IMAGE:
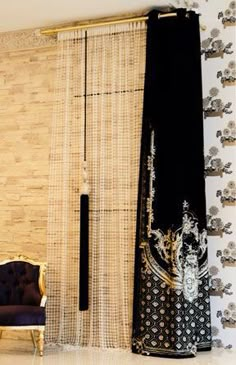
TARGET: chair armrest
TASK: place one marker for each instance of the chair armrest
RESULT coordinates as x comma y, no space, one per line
43,301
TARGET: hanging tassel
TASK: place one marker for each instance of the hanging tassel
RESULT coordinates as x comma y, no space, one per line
84,242
84,212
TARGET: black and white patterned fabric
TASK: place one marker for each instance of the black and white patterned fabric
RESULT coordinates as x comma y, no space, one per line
171,314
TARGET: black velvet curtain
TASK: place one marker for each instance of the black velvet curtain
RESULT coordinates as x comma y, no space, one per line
171,315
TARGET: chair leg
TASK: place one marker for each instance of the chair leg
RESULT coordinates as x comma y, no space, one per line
41,342
33,338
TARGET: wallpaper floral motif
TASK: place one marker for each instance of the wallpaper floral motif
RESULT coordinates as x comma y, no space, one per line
219,90
215,47
227,134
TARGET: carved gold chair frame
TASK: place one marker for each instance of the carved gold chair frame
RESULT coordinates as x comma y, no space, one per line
38,343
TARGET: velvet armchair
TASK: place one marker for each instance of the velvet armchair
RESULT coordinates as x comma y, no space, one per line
23,297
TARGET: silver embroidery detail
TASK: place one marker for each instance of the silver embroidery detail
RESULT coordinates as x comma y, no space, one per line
190,282
150,167
185,272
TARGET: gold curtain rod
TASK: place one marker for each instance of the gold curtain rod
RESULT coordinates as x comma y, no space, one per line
101,23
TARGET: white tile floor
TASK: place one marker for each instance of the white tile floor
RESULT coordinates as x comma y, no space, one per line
22,354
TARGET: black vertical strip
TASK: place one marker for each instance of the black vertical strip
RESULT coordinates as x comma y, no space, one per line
84,263
85,93
84,215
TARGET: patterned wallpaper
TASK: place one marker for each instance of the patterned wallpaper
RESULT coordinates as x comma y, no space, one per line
219,92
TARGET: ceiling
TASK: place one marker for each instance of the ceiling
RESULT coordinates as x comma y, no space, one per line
24,14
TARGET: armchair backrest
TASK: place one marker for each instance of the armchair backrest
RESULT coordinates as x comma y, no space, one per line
21,281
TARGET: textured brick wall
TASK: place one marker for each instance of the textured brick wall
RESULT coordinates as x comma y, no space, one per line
26,100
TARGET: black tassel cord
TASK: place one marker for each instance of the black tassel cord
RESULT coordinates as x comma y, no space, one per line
84,213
